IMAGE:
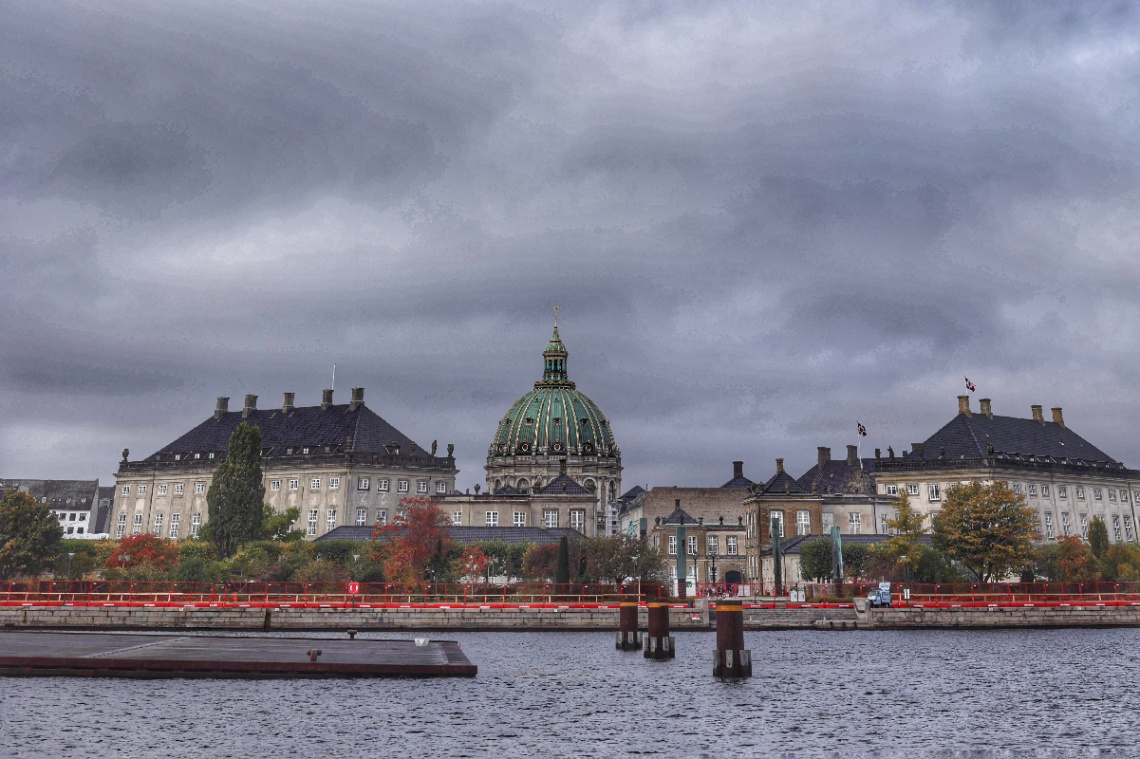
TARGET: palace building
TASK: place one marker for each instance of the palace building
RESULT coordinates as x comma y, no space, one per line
339,464
555,430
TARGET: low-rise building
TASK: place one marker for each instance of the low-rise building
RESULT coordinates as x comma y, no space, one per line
75,503
713,549
560,503
338,464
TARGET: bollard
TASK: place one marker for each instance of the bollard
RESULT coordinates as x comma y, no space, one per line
659,644
313,653
730,659
628,639
351,634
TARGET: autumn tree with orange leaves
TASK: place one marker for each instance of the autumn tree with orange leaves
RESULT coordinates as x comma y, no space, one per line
417,544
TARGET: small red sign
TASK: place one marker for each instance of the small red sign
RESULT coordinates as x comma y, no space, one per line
354,588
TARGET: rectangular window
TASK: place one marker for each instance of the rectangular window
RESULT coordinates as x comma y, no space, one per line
692,544
334,483
578,519
136,527
382,485
912,489
854,522
712,545
421,487
178,488
402,486
1044,491
1116,527
550,518
362,483
491,519
730,545
275,485
892,490
777,523
1081,493
315,483
803,522
195,524
1016,488
158,524
174,521
1111,494
401,512
441,487
313,521
381,516
1048,525
934,492
162,490
828,523
142,489
199,487
330,520
126,489
1097,495
519,519
1065,526
361,517
1062,491
1124,496
294,484
457,518
121,527
1031,490
1085,526
1128,528
672,545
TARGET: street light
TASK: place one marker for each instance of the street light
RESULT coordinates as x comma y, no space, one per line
355,557
70,556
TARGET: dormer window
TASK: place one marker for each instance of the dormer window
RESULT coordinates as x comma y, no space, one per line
197,455
305,451
177,456
210,455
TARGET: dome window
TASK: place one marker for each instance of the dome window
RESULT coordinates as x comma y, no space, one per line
501,447
524,447
585,420
588,447
557,447
558,420
529,420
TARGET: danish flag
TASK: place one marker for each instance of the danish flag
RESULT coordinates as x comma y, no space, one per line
970,385
862,429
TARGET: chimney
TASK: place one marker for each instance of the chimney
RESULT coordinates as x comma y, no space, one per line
964,405
1037,415
779,466
878,453
853,455
326,399
986,411
250,405
824,455
357,399
222,407
677,503
738,469
287,406
1060,420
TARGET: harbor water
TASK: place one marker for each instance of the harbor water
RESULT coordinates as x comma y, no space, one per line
880,693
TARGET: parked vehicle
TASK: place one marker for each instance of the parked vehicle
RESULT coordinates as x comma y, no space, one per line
881,596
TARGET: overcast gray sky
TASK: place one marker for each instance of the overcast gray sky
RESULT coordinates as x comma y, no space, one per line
763,222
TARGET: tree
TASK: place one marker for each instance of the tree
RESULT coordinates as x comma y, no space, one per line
855,558
418,542
1075,562
540,561
145,552
236,498
1098,537
473,563
986,528
30,536
279,526
562,572
816,559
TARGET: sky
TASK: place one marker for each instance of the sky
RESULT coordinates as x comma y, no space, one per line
762,222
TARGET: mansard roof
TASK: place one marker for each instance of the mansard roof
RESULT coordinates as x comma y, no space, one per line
782,482
466,535
74,495
969,436
679,516
563,484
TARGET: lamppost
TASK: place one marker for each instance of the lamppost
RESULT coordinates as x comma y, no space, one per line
355,557
70,556
713,550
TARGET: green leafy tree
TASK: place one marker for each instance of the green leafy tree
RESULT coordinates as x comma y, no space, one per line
855,560
562,572
816,559
236,498
986,528
30,536
279,525
1098,537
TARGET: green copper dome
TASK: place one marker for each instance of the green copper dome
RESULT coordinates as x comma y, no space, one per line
554,418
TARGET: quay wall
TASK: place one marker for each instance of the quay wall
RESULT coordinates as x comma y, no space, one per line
1000,617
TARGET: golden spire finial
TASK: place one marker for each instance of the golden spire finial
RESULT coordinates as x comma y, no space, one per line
556,317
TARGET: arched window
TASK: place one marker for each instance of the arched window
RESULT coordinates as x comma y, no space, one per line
523,486
590,486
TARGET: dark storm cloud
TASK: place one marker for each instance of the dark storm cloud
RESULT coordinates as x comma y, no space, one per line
762,222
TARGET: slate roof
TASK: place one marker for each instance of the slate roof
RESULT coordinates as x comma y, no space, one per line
738,482
782,482
507,490
563,484
64,495
679,516
830,478
794,544
539,535
632,493
303,426
967,437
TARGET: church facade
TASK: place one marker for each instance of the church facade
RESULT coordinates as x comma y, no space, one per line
554,430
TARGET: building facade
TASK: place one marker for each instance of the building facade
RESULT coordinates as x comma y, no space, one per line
75,503
561,503
714,551
1064,478
556,430
338,464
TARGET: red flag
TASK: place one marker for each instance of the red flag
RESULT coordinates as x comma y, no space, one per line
862,429
970,385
